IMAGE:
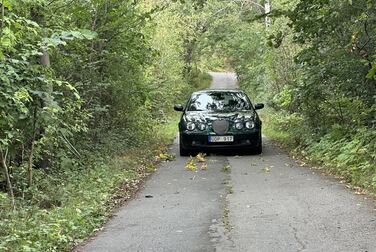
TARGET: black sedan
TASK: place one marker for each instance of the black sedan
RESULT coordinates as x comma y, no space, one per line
219,119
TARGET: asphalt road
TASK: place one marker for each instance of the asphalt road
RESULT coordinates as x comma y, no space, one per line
241,203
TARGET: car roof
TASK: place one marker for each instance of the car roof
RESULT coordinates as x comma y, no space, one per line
219,91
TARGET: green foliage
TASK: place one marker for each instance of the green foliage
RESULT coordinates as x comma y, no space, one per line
84,86
314,67
351,158
92,81
69,204
334,92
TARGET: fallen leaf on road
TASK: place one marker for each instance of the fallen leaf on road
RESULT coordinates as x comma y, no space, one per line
166,157
191,165
201,157
360,191
204,166
226,168
266,169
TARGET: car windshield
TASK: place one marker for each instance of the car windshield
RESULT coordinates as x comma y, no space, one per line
219,102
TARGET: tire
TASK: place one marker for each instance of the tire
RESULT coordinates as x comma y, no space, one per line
183,151
258,149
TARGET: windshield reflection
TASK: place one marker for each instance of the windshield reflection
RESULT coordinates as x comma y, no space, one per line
219,102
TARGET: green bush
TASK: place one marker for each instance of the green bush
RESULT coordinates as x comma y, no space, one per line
66,206
86,125
352,157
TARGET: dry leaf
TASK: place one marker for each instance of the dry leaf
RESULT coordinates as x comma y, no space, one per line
201,157
266,169
204,166
191,165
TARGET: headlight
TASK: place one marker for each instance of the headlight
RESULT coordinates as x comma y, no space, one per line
239,125
202,126
250,125
191,126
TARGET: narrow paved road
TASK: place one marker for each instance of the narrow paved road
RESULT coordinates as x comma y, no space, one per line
263,203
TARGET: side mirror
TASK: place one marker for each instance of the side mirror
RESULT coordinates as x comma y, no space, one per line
178,107
259,106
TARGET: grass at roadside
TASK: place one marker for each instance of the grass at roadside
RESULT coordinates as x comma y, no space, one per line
83,201
350,158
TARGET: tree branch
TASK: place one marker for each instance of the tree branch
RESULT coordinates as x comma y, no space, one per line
3,157
2,14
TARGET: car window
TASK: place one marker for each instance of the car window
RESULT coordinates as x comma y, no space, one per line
219,102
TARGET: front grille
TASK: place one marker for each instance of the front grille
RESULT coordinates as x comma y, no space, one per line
220,127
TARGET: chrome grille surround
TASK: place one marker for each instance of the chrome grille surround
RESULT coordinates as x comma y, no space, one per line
220,127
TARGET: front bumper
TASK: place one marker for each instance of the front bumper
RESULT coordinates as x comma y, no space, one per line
195,141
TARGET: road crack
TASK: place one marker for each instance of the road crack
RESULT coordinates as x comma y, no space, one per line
220,231
300,242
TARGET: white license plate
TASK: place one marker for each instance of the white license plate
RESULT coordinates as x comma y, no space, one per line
221,139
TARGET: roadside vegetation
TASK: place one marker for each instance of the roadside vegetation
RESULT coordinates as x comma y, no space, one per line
313,63
86,96
87,90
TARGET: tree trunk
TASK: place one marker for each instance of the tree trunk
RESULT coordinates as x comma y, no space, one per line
31,155
45,59
2,14
3,157
30,164
45,162
268,8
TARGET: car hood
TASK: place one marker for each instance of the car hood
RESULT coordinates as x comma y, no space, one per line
207,117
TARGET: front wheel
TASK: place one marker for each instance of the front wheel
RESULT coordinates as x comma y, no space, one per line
183,151
258,148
